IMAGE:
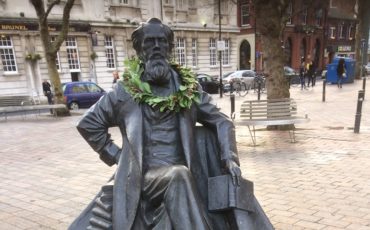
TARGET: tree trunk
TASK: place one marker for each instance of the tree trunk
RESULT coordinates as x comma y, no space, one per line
271,22
276,84
271,16
51,49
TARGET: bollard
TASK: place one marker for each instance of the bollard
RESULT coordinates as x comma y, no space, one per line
259,90
323,90
232,102
360,99
364,85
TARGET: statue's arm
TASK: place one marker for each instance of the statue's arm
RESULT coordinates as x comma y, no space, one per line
210,116
94,125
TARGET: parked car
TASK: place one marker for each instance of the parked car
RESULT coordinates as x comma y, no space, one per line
292,75
367,68
208,83
245,77
79,94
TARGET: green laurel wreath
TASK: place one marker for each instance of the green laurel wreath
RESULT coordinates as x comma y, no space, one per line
141,92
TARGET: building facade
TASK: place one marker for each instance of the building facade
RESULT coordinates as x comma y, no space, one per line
303,37
341,29
99,39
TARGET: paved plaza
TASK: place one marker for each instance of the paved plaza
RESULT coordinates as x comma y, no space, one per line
48,173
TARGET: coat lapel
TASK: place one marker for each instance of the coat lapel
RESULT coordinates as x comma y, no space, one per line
134,132
186,133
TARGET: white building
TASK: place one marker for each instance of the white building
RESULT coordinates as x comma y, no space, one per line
102,29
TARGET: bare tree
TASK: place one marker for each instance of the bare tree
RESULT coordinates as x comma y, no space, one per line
51,48
362,33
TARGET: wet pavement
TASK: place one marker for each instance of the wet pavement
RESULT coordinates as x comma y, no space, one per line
48,173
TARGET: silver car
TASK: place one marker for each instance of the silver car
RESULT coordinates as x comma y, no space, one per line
367,68
245,77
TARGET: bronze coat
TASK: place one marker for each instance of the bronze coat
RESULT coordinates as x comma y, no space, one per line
117,108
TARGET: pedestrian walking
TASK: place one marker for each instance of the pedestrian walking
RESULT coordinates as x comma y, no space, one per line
115,78
341,72
310,73
46,87
302,75
313,79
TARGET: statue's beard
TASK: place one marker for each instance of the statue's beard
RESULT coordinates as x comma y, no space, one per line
157,72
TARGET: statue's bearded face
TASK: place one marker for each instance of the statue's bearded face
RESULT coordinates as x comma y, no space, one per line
157,71
155,52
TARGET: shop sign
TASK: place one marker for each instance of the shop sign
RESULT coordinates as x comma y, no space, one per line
52,27
344,48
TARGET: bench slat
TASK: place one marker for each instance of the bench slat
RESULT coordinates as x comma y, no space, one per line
269,112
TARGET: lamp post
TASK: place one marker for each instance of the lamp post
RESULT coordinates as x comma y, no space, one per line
218,46
363,53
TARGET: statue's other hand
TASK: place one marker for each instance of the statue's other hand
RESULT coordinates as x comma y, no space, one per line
234,170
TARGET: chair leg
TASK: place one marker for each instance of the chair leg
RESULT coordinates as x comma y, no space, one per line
253,135
292,135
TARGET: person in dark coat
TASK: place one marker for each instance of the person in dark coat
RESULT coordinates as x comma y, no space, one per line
341,72
154,187
46,88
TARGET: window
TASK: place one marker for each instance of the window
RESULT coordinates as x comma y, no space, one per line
289,13
226,53
224,7
342,31
350,32
109,52
57,59
318,16
304,16
212,52
332,32
7,55
123,2
92,88
181,4
72,54
194,52
245,13
180,51
79,88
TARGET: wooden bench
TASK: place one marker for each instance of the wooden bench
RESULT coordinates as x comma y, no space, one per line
25,108
270,112
15,100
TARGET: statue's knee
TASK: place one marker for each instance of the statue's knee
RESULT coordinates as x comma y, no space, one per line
180,173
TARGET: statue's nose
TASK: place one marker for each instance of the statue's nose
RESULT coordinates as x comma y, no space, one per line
156,42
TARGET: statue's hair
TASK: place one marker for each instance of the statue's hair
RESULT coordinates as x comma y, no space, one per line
138,35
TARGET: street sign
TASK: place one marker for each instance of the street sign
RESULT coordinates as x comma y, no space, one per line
220,45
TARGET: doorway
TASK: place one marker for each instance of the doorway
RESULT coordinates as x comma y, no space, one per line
75,76
245,55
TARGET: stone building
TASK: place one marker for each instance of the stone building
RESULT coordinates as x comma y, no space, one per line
99,39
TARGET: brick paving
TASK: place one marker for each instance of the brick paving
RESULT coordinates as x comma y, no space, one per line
48,173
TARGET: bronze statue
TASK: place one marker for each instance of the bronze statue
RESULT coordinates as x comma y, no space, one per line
165,160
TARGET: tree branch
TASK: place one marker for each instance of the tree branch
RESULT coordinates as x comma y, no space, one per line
65,25
50,7
39,7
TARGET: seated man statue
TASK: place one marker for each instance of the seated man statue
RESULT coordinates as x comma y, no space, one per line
156,106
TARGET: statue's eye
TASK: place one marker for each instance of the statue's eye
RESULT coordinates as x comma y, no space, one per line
149,40
162,40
